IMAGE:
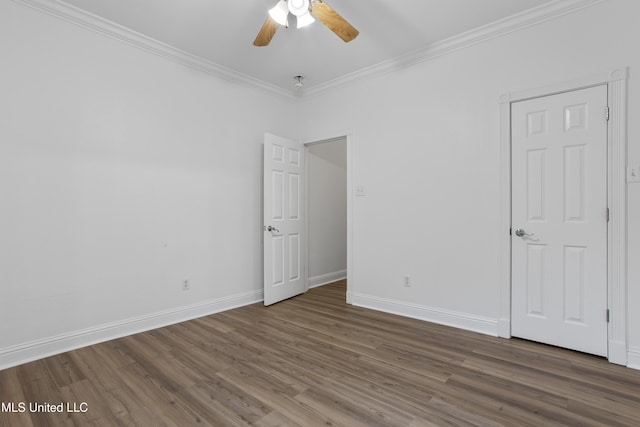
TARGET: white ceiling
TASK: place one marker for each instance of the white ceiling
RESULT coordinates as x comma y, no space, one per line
222,32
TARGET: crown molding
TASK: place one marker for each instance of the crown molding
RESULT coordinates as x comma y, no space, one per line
478,35
69,13
537,15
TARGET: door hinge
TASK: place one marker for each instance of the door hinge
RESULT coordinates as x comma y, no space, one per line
608,315
608,215
606,113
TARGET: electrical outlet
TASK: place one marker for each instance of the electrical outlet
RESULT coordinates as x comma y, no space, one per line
186,285
407,281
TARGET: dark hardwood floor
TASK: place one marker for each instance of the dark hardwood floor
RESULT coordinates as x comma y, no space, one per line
313,360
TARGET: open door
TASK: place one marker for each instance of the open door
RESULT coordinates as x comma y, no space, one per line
284,229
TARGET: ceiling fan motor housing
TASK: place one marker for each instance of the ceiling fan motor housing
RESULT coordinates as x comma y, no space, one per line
298,7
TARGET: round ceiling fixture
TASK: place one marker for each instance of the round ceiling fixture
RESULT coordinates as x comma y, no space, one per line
298,7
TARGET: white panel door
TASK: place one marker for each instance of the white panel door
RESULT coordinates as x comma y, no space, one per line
284,239
559,199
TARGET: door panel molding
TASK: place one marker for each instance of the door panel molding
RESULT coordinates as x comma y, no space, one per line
616,81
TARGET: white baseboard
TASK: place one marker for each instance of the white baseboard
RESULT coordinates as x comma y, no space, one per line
633,358
323,279
34,350
483,325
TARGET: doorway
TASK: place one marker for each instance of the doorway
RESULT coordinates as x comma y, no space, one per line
285,214
327,211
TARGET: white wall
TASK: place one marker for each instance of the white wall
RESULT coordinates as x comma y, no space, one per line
426,146
327,195
121,174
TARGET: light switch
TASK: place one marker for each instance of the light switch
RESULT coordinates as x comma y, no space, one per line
633,174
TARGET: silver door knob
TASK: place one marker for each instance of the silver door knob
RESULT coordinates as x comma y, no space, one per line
270,228
521,233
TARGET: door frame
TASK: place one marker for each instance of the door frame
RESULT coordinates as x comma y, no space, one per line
616,82
327,137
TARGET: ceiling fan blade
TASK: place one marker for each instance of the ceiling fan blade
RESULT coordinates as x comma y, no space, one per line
333,21
267,32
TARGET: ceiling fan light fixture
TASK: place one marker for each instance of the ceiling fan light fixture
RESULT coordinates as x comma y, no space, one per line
299,7
298,84
280,12
304,20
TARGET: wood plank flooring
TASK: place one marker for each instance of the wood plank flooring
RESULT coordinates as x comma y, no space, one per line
314,360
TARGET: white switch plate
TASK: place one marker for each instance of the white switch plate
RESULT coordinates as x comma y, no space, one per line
360,191
633,174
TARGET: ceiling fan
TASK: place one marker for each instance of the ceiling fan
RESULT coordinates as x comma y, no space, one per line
306,12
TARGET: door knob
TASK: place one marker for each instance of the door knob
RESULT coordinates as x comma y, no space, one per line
521,233
270,228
